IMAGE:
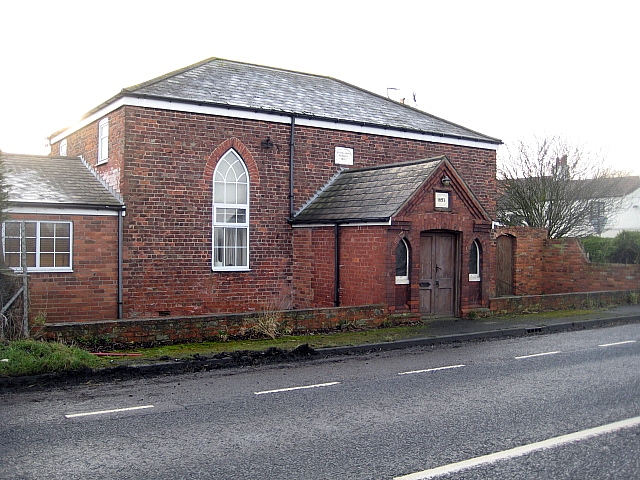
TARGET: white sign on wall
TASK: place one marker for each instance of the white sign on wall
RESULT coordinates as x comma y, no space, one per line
442,199
344,156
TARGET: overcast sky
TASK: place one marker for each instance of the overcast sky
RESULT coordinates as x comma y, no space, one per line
507,69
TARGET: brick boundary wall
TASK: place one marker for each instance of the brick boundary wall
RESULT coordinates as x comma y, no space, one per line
560,301
191,329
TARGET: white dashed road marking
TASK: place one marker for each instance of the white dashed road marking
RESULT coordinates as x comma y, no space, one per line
522,450
431,369
102,412
536,355
617,343
297,388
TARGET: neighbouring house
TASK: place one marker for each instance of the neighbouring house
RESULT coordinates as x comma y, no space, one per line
69,219
599,206
627,216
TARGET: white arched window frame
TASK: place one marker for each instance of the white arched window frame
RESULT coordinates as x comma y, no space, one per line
474,262
230,214
402,263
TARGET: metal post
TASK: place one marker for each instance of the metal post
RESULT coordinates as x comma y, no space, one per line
25,280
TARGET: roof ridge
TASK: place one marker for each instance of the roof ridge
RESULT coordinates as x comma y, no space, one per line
438,158
165,76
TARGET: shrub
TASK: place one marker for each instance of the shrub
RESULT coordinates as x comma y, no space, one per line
597,248
625,248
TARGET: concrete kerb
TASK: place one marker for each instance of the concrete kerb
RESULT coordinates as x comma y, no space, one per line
191,366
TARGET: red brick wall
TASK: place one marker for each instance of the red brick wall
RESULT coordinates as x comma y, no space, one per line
545,266
163,168
91,290
314,260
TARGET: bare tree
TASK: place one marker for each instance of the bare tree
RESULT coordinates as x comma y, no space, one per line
550,183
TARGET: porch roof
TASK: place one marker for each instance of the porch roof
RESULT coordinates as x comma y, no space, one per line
367,194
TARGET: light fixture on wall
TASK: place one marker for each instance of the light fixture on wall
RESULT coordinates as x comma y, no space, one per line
446,181
266,143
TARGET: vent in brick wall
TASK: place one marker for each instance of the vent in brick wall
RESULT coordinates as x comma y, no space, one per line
164,313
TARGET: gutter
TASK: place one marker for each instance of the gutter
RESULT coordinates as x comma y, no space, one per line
121,214
336,279
292,140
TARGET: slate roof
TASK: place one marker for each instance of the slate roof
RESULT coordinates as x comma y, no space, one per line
225,83
614,186
55,181
367,194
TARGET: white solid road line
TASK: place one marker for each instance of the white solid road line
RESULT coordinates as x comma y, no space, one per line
617,343
297,388
536,355
523,450
101,412
431,369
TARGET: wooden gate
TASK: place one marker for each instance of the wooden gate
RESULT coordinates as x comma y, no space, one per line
504,266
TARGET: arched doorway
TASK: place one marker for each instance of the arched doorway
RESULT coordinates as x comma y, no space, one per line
438,273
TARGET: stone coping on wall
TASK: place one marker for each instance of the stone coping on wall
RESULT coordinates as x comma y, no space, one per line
561,301
182,329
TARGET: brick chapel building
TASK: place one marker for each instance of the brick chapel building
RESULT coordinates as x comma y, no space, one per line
242,188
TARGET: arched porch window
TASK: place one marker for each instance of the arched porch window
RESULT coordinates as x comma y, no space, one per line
402,263
474,262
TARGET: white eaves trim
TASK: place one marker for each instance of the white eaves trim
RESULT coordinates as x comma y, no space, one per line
234,112
62,211
355,224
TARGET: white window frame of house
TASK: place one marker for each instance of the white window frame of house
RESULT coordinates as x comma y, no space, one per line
63,148
37,248
103,140
403,279
474,276
230,236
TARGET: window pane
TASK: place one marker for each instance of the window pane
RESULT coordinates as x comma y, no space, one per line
63,229
242,193
46,260
30,228
401,260
31,245
230,194
238,170
62,260
473,259
63,245
46,245
12,259
47,229
218,196
31,259
241,247
241,216
12,229
12,245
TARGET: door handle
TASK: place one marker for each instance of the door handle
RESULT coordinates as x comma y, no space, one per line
437,283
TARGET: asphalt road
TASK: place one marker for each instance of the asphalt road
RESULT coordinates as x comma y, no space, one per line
374,416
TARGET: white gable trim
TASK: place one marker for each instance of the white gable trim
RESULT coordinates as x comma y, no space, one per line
234,112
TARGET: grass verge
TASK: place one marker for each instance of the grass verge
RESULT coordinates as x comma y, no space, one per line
32,357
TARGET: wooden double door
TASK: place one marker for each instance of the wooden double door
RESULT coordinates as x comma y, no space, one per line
438,273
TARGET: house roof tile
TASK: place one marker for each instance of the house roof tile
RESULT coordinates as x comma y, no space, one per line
60,181
220,82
